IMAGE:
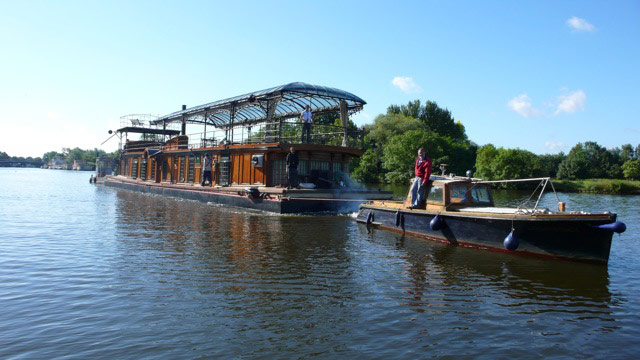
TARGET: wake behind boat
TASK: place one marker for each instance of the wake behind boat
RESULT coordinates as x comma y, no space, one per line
461,211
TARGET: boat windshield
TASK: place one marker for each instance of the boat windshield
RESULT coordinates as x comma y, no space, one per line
458,193
480,194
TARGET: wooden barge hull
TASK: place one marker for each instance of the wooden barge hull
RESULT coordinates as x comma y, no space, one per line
565,236
281,204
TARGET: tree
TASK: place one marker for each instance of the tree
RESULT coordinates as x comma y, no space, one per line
484,162
575,165
505,164
631,169
549,163
400,153
627,153
433,117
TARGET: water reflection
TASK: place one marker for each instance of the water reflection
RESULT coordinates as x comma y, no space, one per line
522,284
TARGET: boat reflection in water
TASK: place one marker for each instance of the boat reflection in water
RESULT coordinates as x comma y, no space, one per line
441,275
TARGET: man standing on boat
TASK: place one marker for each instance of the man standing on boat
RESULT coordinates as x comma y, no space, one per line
206,175
292,168
307,120
422,172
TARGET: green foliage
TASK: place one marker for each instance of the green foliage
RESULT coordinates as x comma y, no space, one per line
549,164
394,138
601,186
631,169
505,164
400,153
368,168
433,117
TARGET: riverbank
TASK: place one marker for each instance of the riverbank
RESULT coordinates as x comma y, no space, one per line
599,186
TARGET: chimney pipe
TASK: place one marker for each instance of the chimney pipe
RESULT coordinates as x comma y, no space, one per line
184,122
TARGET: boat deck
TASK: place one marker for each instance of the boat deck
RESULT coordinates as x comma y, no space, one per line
268,191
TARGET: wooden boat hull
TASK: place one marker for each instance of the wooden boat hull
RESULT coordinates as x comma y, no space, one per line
279,204
575,237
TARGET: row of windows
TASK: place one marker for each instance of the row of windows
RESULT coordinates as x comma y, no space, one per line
305,167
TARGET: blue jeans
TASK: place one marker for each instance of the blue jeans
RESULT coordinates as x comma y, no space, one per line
417,192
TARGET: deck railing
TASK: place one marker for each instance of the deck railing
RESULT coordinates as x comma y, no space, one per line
265,133
289,133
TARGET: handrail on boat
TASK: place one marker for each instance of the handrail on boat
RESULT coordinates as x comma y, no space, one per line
543,181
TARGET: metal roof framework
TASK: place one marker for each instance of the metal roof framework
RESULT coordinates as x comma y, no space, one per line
274,104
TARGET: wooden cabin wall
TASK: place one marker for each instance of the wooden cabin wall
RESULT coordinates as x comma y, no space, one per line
243,171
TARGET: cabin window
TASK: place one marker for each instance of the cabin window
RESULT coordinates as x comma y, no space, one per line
278,172
458,193
182,165
165,169
134,170
302,168
436,194
319,165
192,160
198,159
480,194
143,169
153,168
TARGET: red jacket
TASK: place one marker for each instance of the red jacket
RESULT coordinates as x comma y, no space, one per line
423,170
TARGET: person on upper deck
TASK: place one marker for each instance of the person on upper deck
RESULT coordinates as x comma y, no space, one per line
307,119
292,168
423,172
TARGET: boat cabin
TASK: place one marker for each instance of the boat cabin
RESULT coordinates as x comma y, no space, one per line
455,193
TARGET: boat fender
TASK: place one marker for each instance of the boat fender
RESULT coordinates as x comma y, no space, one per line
511,242
617,227
370,218
399,218
436,223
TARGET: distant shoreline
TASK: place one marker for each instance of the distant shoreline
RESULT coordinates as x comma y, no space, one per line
599,186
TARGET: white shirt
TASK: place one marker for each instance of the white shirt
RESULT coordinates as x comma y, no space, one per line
307,116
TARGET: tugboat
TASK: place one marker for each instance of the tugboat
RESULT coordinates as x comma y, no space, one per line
460,211
247,138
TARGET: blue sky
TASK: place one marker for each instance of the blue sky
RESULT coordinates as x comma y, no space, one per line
537,75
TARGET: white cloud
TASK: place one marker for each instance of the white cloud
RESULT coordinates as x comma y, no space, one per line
522,105
579,24
572,102
406,84
554,145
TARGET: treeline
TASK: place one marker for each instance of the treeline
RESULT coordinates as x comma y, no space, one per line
6,157
69,155
393,138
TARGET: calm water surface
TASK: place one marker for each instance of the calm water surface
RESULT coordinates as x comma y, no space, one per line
88,271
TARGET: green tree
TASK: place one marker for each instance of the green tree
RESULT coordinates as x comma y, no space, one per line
505,164
549,163
433,117
627,153
631,169
399,154
485,159
575,165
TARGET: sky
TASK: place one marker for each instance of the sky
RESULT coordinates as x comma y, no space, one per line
535,75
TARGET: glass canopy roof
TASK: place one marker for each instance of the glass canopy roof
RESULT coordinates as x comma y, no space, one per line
277,103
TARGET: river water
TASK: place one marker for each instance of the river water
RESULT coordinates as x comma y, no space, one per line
88,271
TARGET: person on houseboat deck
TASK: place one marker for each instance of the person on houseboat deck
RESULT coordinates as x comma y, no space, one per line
307,120
206,175
422,172
292,168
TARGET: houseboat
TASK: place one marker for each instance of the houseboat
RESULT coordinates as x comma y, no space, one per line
248,138
460,211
